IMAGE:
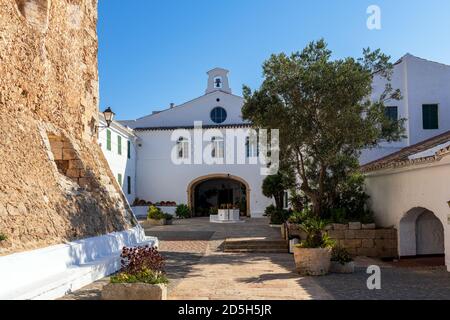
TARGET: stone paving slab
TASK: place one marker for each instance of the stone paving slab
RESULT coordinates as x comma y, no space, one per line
198,269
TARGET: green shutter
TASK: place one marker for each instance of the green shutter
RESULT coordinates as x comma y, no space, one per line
129,184
108,140
119,145
129,149
430,116
119,179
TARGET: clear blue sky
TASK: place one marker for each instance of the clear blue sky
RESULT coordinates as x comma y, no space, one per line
154,52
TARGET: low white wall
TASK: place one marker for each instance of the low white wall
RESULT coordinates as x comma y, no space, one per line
50,272
395,192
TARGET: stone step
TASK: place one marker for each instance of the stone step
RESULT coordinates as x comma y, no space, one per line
255,250
257,246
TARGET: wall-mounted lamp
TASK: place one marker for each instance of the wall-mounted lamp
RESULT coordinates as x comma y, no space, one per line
108,114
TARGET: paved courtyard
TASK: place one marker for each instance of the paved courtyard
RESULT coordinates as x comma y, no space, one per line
199,269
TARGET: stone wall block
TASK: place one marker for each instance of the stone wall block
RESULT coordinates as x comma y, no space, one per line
354,225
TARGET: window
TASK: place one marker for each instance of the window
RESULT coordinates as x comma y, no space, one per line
129,149
286,200
251,148
183,148
119,179
430,116
217,147
108,140
218,115
129,185
119,145
391,113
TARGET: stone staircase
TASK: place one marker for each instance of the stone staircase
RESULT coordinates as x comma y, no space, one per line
256,246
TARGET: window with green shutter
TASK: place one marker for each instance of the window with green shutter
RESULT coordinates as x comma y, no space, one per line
119,179
129,149
430,116
108,140
119,145
129,184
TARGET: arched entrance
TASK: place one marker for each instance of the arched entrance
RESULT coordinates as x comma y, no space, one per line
219,190
421,234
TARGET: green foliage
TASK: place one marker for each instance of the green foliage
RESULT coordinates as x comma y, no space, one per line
277,216
214,211
183,211
314,228
324,113
155,213
297,201
144,276
168,217
274,187
299,216
339,254
3,237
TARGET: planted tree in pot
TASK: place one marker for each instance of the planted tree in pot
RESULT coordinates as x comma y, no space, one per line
313,255
141,277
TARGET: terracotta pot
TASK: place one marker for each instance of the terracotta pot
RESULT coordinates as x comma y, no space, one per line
134,291
312,261
337,267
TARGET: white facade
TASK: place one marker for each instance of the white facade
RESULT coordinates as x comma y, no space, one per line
160,179
412,194
421,82
120,152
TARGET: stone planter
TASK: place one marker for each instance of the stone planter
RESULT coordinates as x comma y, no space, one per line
134,291
337,267
312,262
292,244
153,222
169,222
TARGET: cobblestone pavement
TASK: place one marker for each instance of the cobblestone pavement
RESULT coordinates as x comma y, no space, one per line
198,269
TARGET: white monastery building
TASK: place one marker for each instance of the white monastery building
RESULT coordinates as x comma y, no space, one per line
425,103
167,167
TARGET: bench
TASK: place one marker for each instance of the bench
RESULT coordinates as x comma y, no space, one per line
55,271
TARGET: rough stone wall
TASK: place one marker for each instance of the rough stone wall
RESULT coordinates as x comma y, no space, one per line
358,239
49,99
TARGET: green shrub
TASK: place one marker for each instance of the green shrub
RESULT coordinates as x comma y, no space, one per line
214,211
314,228
298,217
277,216
155,213
168,217
145,276
341,255
183,211
3,237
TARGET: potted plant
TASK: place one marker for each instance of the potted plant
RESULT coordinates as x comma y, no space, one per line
155,216
169,218
183,211
341,261
141,277
3,237
313,255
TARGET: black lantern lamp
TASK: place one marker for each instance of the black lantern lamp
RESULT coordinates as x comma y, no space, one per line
109,116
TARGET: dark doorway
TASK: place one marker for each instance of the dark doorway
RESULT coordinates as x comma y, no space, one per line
213,194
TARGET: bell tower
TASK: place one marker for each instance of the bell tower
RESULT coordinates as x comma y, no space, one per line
218,80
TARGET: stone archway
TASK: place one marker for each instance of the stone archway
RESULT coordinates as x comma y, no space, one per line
220,178
421,234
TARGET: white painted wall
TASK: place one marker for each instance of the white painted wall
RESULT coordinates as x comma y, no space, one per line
395,192
420,82
159,179
120,164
